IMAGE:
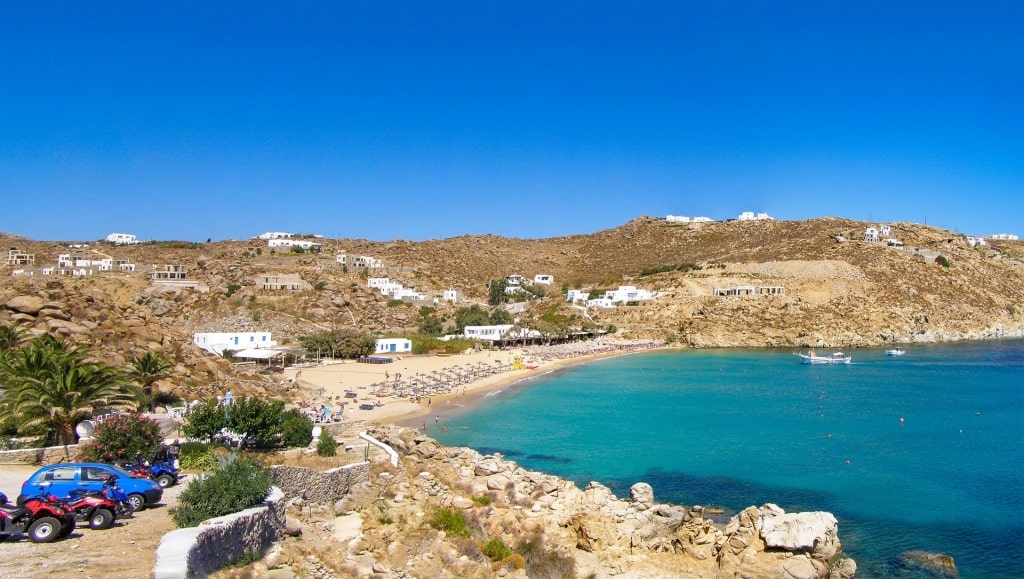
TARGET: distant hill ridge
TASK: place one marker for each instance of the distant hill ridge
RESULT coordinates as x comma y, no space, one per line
847,294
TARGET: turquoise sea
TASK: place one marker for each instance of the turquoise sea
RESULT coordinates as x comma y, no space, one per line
734,428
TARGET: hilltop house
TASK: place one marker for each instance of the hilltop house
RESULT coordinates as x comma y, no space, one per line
217,342
750,290
16,257
121,239
750,216
684,219
274,235
628,293
287,282
543,279
1004,237
359,261
452,295
576,295
871,234
513,284
300,243
975,241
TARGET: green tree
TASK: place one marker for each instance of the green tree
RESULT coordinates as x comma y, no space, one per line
500,316
54,385
496,292
432,326
342,343
326,445
146,370
205,421
296,429
256,419
474,315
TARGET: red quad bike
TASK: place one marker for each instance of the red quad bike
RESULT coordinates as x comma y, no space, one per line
92,506
42,519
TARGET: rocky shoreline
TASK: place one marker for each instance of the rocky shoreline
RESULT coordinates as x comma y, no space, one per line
590,531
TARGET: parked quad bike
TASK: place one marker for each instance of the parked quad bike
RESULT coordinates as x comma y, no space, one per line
161,471
93,507
42,518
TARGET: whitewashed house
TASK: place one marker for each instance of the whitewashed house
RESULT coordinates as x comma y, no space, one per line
975,241
1004,237
16,257
871,234
367,262
543,279
393,346
600,303
452,295
217,342
301,243
677,219
274,235
489,333
576,295
751,216
628,293
701,219
121,239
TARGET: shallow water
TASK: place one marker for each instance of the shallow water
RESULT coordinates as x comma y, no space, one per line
734,428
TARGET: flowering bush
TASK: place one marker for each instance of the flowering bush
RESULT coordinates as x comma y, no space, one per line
124,437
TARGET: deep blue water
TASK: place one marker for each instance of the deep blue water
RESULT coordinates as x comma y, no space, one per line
734,428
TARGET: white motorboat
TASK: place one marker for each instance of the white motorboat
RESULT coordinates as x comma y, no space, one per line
834,358
895,351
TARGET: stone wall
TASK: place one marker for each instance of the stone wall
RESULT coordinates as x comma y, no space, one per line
199,551
38,456
319,487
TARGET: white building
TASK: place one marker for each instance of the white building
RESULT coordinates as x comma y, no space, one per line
975,241
217,342
871,234
489,333
677,219
121,238
364,262
452,295
394,346
1004,237
701,220
274,235
628,293
576,295
600,303
307,245
751,216
543,279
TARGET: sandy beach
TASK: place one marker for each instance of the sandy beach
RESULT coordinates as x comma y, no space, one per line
440,380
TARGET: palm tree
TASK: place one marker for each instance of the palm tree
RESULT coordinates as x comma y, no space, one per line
54,385
146,370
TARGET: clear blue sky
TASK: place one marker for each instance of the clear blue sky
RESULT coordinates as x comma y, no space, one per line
424,120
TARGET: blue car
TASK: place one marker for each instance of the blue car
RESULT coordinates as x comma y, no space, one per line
60,479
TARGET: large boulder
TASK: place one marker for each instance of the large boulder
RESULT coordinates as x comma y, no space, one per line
26,304
800,532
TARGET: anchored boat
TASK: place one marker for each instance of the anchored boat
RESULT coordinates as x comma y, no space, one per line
834,358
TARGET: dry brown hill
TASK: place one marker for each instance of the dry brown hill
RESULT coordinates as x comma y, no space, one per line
847,294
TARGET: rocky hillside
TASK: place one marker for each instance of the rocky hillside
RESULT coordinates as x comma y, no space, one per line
849,293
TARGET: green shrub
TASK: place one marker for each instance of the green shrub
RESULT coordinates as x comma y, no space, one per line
296,429
450,520
124,437
232,288
942,260
326,445
496,550
482,500
196,456
235,486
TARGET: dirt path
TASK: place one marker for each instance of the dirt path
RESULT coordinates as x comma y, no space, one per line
128,549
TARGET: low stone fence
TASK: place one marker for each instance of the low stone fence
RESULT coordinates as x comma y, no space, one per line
319,487
199,551
38,456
